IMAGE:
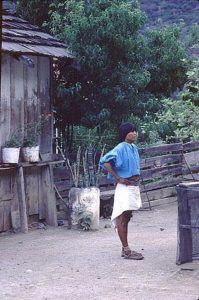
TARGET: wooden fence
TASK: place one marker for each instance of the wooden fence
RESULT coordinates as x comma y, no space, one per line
165,166
162,168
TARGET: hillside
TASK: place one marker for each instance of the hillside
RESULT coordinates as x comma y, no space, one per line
171,11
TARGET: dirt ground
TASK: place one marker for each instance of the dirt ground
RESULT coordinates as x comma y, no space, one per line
63,264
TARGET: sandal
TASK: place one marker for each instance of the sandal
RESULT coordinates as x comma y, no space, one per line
129,254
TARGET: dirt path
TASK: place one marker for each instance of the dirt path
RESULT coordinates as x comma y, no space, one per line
66,264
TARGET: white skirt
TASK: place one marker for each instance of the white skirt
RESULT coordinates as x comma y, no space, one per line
127,197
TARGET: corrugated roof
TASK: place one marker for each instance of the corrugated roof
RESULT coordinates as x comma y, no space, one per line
21,37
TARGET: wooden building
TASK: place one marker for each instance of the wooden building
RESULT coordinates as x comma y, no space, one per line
26,93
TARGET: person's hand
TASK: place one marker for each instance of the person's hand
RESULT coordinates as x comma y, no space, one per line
122,180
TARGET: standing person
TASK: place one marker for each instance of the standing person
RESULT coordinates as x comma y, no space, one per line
123,164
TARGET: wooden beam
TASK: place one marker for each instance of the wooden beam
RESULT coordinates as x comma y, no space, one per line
162,171
22,200
160,184
165,148
191,146
184,242
159,161
49,195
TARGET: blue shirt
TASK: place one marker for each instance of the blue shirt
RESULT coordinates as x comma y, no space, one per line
124,159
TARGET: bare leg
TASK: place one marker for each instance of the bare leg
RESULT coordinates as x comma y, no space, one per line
122,226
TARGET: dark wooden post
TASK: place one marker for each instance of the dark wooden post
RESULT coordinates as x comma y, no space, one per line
49,195
184,246
1,12
22,200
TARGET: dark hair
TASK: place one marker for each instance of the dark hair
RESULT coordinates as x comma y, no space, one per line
124,129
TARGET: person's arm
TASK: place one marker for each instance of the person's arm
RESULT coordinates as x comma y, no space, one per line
118,179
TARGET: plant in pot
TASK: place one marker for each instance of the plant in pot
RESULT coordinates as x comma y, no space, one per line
30,147
11,149
84,196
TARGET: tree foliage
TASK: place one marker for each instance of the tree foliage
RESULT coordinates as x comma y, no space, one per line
179,118
104,37
35,11
165,60
120,69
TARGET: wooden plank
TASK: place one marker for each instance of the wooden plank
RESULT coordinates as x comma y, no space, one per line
45,103
31,190
192,158
162,171
3,168
191,177
15,219
5,99
6,216
161,149
159,202
184,242
191,146
189,184
61,173
160,184
38,164
158,194
64,194
22,200
7,197
107,193
191,169
15,214
41,199
49,194
16,95
194,209
31,103
160,161
1,216
63,185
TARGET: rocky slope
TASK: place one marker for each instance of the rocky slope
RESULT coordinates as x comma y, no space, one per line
171,11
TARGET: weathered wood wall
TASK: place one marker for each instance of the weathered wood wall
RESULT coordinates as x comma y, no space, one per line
8,198
26,195
25,95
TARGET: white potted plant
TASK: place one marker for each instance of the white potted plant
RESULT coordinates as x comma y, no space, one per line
11,149
84,196
30,146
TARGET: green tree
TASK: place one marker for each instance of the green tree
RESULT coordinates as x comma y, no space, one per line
35,11
119,68
178,119
104,37
166,62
